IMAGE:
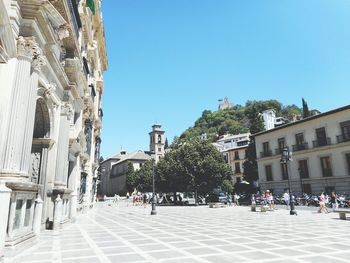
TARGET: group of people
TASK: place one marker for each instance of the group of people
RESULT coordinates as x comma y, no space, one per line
233,199
324,199
268,199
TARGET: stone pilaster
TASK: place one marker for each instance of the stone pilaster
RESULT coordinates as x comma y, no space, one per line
57,213
63,147
5,194
37,215
16,137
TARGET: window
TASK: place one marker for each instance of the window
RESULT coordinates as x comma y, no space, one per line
237,168
268,172
159,138
345,130
159,149
27,213
303,169
329,189
326,166
307,188
347,157
236,155
284,171
266,147
299,138
281,144
18,214
321,138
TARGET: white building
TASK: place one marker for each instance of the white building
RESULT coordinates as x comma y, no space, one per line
234,148
270,120
320,147
52,58
225,104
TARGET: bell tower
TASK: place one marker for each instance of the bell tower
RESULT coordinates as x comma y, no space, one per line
157,142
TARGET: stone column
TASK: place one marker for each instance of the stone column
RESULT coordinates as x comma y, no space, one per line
37,215
37,63
57,213
14,142
5,194
63,147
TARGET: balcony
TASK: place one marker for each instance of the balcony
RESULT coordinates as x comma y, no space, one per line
73,8
343,138
300,147
265,154
320,143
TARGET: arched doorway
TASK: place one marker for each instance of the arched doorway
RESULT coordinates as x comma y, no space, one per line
41,142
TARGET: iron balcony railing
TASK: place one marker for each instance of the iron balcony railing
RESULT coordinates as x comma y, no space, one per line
321,142
343,138
300,147
265,153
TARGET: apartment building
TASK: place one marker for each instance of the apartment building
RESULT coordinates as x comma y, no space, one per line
320,154
234,148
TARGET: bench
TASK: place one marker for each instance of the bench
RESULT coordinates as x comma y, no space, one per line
264,208
216,205
342,213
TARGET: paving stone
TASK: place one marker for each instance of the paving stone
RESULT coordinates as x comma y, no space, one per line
130,234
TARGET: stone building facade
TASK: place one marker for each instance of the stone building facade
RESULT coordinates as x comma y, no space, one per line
234,148
113,170
113,178
320,159
52,59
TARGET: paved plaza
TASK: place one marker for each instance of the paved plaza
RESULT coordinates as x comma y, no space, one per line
121,233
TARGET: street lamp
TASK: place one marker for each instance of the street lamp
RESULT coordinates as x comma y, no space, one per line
154,211
285,157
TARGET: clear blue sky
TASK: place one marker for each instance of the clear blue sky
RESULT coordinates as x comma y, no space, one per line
171,59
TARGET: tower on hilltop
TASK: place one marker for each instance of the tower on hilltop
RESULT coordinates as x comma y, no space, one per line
157,142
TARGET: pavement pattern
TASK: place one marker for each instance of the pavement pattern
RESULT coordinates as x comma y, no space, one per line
123,233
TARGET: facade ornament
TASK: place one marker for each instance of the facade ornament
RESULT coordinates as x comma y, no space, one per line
35,166
67,109
50,89
38,62
27,47
63,32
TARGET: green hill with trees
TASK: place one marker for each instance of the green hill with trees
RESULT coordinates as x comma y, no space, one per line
238,119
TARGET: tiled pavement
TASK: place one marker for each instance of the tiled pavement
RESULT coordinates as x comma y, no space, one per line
121,233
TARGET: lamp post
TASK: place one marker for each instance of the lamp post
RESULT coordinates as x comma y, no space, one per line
154,211
285,157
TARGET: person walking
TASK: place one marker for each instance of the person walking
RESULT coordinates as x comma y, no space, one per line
229,199
268,199
286,199
236,199
322,202
334,201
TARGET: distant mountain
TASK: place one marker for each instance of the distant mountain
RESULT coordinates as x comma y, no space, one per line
237,119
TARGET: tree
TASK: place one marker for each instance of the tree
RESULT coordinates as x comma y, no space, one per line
194,166
144,177
131,178
250,166
227,186
306,112
166,145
